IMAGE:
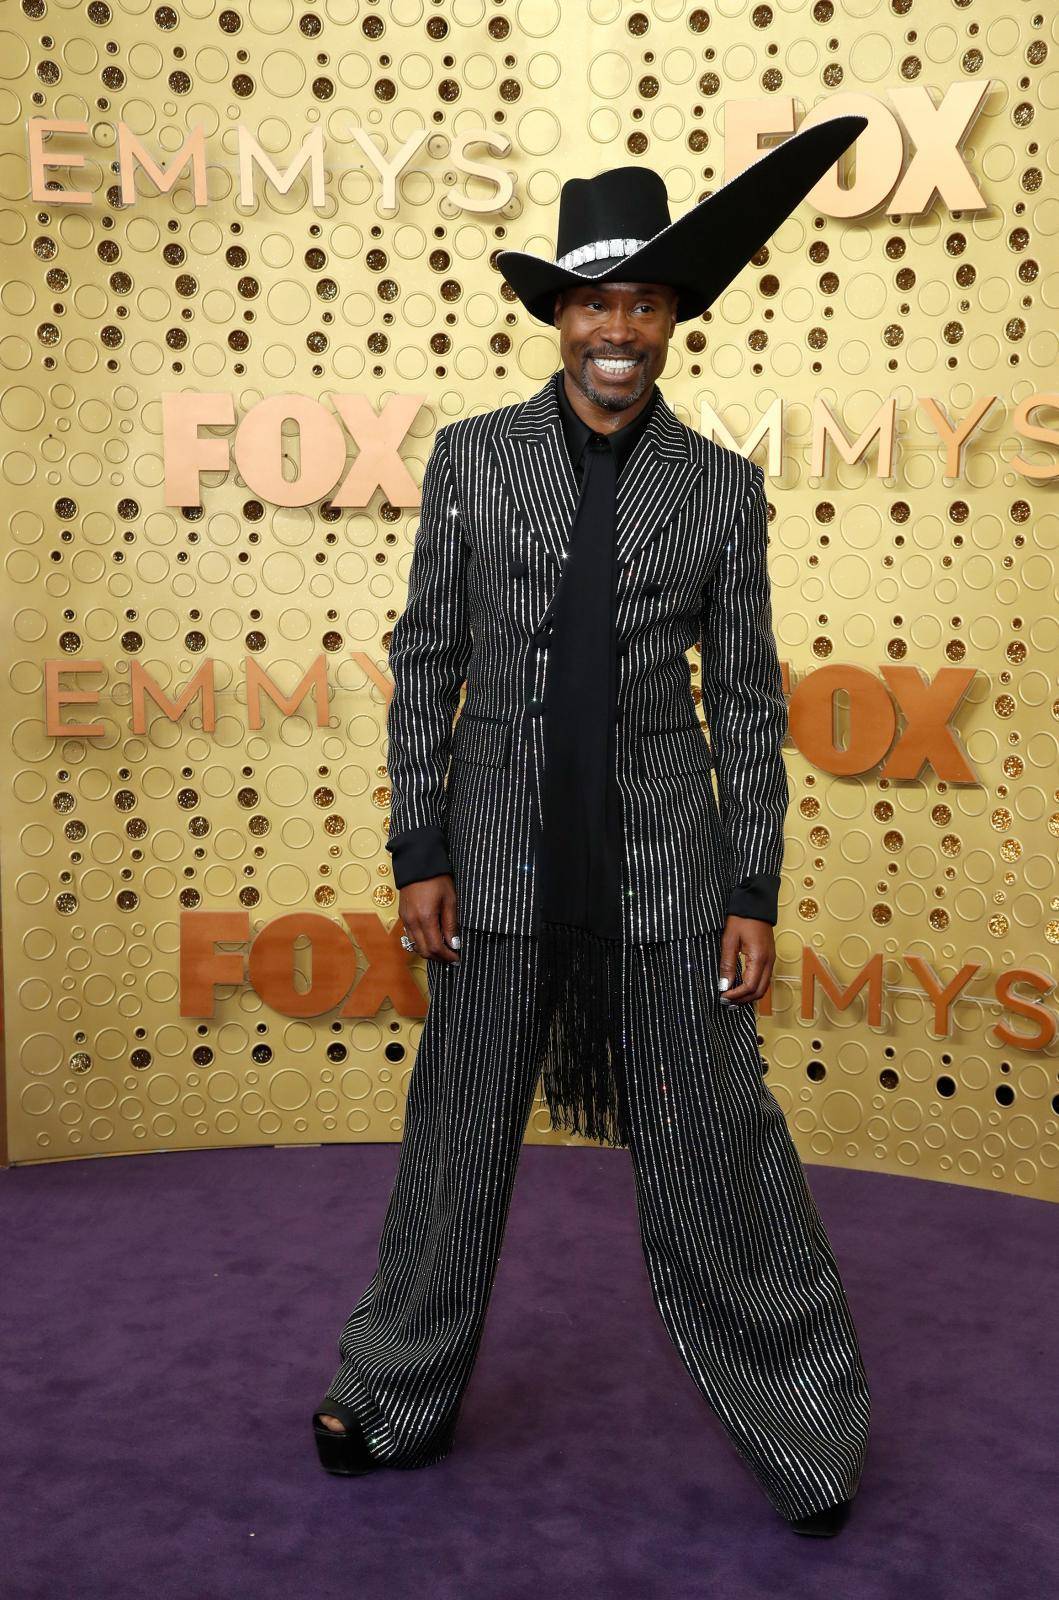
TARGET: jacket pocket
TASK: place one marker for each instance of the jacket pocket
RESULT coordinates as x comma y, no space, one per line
481,741
683,749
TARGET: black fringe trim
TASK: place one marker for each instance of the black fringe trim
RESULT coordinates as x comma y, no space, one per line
583,1067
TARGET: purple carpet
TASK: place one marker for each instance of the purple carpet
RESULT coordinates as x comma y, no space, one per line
173,1319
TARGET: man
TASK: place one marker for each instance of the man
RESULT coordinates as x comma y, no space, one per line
583,897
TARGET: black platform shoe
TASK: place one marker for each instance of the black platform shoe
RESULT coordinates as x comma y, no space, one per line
823,1524
346,1453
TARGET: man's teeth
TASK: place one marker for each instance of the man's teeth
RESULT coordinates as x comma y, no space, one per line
613,366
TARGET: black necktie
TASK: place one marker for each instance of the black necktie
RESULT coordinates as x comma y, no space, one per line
582,842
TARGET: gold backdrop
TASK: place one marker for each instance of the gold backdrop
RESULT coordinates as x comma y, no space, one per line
147,850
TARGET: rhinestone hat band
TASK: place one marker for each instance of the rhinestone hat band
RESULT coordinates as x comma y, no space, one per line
599,250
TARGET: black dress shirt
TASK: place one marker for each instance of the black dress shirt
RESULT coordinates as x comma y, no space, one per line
578,432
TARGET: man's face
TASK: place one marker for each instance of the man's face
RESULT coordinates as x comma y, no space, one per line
630,322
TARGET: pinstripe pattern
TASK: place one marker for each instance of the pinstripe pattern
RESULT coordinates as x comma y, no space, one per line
739,1264
498,502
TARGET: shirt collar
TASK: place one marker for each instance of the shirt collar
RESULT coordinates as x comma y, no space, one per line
578,432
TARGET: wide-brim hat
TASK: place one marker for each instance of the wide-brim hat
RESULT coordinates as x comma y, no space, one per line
616,226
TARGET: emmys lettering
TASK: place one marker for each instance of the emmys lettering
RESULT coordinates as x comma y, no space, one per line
882,181
873,736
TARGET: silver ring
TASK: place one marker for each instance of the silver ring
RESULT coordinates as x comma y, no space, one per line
408,943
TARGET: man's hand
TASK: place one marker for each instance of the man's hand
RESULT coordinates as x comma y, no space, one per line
757,943
428,911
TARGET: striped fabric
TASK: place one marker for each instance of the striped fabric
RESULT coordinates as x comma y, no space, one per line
498,502
739,1264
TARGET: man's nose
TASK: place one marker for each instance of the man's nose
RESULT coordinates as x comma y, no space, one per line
617,328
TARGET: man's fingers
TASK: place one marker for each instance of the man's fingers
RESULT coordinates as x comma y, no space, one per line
430,941
428,912
752,940
728,962
738,991
427,936
755,981
450,926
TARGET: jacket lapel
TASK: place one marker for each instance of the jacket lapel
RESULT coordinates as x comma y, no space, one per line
658,475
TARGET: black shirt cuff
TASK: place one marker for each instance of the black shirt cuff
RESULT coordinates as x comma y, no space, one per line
758,897
419,853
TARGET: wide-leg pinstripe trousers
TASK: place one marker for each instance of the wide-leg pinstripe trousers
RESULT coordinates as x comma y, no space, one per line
739,1264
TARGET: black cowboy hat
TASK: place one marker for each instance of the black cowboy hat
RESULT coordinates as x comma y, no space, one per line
616,226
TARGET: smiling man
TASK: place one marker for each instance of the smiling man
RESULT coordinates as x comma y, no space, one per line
583,896
612,364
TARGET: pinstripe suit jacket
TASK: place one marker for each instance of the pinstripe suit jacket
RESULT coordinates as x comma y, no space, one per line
702,817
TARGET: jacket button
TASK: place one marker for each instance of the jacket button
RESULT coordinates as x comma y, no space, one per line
518,568
535,708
